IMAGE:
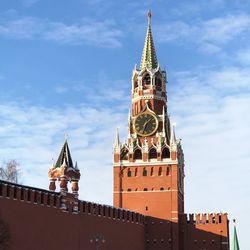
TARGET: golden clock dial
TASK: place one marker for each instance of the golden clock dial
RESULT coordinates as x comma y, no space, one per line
145,124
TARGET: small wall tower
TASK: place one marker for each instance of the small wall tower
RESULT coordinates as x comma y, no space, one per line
64,172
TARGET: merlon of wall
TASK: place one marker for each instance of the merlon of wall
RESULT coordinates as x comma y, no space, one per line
198,219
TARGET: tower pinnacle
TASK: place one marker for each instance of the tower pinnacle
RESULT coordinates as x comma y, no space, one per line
149,58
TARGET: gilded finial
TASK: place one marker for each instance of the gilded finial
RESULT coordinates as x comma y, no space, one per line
149,16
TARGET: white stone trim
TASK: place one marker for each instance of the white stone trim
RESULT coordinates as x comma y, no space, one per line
148,96
158,163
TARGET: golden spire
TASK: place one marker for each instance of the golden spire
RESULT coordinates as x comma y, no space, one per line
149,59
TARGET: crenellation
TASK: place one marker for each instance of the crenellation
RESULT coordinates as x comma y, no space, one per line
29,195
114,213
204,218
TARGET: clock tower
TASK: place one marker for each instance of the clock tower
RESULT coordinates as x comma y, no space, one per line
149,166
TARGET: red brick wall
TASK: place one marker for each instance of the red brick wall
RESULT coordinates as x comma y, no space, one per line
42,225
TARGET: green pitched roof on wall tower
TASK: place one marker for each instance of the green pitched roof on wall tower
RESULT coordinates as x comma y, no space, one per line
149,59
64,155
235,242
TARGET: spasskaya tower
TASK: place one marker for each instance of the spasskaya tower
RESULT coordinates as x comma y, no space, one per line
149,167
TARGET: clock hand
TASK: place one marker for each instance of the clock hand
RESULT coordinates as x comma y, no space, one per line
146,123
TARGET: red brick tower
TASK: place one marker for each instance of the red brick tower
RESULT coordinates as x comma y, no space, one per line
149,167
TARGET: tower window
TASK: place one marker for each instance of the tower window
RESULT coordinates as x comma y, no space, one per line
129,190
146,79
152,154
165,153
168,171
161,188
219,218
145,189
129,173
160,171
146,208
144,173
137,154
152,171
124,154
158,82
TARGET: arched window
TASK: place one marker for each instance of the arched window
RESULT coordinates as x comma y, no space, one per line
137,154
165,153
146,79
144,173
145,189
129,172
160,171
124,154
161,188
129,190
158,82
152,154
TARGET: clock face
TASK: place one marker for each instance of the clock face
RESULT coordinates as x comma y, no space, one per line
145,124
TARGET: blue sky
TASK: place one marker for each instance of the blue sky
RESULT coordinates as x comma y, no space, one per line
66,68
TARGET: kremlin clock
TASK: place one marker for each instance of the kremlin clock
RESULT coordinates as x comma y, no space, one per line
145,124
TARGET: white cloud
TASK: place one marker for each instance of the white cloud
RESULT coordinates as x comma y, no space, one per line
209,35
223,29
211,109
103,34
243,56
32,135
107,93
